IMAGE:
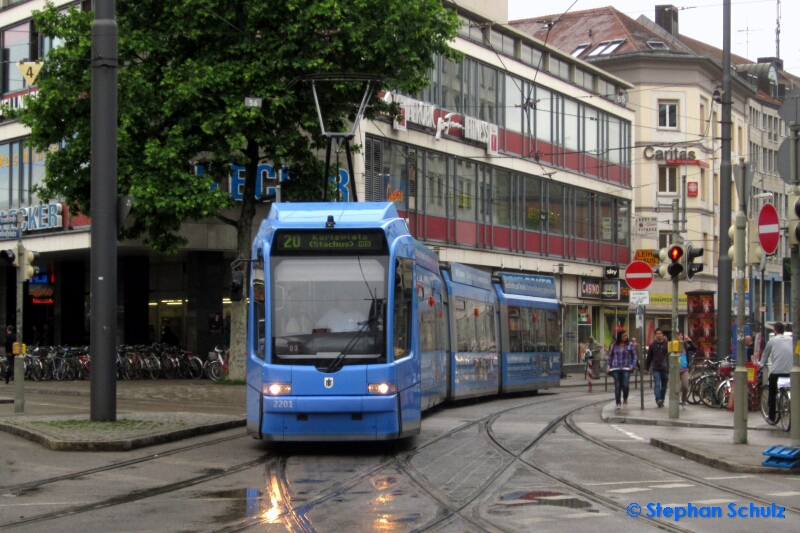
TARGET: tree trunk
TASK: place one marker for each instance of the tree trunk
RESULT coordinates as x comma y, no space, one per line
244,243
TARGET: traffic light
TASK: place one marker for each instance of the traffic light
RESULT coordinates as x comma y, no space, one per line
754,250
676,257
661,270
9,256
732,249
237,286
28,270
24,262
794,219
692,254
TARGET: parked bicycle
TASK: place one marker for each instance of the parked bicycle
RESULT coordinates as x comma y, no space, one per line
216,368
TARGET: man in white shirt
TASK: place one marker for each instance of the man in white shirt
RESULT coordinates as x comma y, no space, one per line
779,357
343,318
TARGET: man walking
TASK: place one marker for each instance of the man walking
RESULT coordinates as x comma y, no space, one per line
658,362
779,358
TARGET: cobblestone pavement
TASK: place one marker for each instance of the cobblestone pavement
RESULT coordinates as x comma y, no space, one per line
56,413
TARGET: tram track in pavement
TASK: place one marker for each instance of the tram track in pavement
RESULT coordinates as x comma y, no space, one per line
570,485
294,517
33,485
458,509
572,427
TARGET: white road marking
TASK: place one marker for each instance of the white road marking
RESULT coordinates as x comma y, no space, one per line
624,482
584,515
726,477
783,494
712,502
672,486
632,489
628,433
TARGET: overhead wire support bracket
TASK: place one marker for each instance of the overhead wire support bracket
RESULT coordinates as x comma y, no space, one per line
340,137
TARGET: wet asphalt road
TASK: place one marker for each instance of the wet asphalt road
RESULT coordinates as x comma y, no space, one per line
526,463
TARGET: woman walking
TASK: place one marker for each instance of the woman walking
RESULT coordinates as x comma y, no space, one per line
621,360
684,373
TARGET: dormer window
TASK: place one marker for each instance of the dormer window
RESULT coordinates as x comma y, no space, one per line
606,47
657,45
580,49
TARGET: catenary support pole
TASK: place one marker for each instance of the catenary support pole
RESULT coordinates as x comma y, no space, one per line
794,374
740,374
725,268
19,359
103,286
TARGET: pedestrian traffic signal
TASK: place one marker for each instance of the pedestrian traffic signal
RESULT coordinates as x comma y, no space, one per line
794,219
676,267
693,254
9,256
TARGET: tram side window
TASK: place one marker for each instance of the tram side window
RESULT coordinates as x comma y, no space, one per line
261,320
403,293
520,329
465,324
553,331
540,329
486,333
430,332
475,330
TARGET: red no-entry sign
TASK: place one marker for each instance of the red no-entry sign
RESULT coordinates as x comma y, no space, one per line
769,228
639,275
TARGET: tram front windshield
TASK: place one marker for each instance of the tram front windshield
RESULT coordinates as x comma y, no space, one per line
323,307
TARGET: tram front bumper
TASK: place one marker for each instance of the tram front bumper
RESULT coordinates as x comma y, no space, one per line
321,418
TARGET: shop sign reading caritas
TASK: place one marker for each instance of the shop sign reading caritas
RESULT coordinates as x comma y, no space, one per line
662,154
443,122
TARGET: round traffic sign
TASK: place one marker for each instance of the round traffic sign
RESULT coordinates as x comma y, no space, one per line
639,275
769,228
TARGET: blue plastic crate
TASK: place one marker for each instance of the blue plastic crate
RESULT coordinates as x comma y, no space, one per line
784,452
782,457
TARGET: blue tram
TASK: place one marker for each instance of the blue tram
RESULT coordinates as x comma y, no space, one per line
355,327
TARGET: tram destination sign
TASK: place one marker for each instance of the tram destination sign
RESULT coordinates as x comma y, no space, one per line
288,241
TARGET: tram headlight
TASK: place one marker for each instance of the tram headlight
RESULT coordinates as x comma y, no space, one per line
381,388
276,389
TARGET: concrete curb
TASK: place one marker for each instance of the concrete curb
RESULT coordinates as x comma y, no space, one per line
676,423
119,445
715,462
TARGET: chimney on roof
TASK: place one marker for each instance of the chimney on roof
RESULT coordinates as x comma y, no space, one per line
667,18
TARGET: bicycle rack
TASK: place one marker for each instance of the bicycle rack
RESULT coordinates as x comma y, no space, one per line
782,457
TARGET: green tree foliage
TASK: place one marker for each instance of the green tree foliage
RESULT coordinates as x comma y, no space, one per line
185,70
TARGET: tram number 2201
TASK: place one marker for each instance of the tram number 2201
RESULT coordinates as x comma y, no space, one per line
282,404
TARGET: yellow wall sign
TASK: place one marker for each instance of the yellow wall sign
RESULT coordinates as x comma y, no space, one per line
30,70
648,256
666,299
